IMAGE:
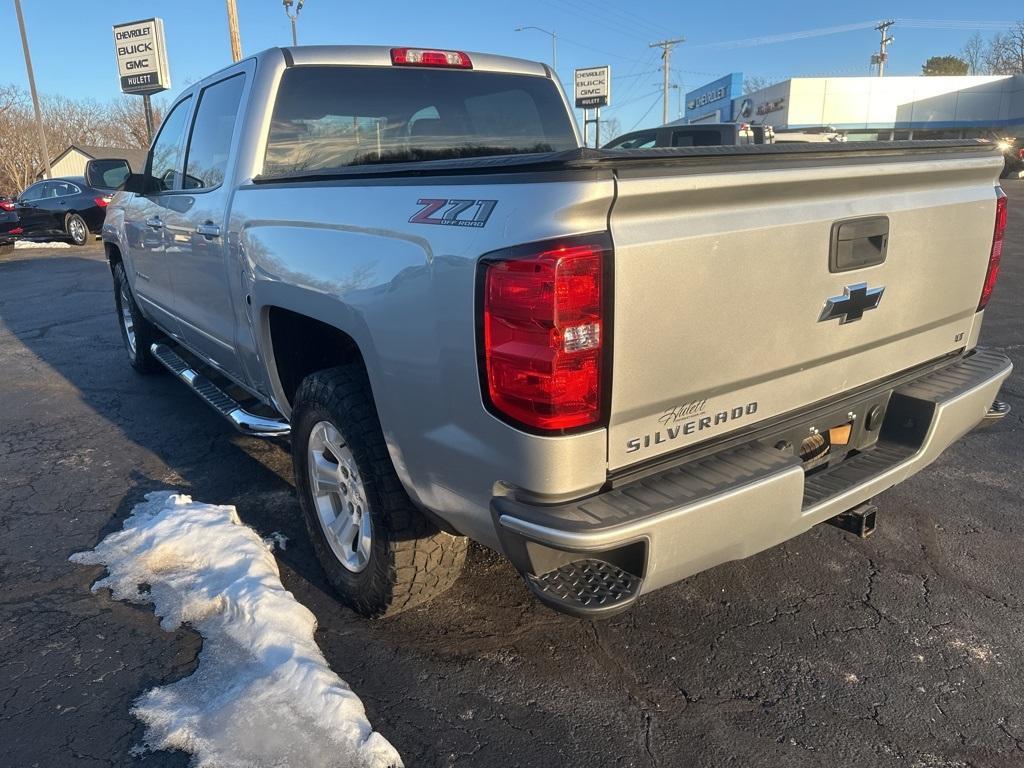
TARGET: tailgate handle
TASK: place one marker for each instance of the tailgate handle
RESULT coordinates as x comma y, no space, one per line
858,243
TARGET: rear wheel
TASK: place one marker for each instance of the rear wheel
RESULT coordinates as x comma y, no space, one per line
77,229
137,332
379,552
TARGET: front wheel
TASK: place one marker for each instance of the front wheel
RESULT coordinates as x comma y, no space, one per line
379,552
77,229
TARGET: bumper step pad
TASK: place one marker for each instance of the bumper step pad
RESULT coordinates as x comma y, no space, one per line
587,588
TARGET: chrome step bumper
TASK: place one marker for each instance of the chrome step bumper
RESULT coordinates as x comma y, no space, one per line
732,504
245,422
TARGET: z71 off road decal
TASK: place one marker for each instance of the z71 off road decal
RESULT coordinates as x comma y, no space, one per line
454,213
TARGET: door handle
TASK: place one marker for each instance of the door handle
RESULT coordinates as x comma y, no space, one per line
155,223
208,230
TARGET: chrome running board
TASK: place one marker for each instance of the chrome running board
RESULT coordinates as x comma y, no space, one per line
245,422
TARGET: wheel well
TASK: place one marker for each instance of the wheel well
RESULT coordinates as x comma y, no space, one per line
303,346
113,255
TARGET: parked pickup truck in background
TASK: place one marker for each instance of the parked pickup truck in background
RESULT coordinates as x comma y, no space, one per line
617,368
679,134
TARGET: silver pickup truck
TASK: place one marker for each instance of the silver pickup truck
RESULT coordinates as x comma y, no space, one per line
617,368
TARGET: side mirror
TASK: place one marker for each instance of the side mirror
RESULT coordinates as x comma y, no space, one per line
109,173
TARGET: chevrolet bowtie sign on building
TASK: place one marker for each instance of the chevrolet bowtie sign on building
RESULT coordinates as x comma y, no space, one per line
142,57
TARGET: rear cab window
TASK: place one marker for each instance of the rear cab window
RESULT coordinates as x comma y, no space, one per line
331,117
210,143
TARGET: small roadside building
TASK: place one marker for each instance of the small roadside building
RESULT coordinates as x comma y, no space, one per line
71,162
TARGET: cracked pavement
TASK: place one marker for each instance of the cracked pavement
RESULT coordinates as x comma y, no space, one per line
906,649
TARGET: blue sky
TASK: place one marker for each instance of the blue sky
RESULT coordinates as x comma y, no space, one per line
73,51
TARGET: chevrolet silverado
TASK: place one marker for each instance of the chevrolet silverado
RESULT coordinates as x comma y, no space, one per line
616,368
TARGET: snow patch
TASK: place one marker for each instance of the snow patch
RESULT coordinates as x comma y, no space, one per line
276,540
33,244
263,694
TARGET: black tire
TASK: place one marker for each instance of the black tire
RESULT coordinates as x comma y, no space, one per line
77,230
146,333
410,560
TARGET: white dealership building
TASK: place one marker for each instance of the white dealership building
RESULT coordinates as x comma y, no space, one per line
872,107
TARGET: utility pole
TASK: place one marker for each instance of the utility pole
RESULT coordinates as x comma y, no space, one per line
881,57
294,18
236,37
666,55
43,149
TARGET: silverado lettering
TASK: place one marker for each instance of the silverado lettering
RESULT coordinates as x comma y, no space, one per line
691,426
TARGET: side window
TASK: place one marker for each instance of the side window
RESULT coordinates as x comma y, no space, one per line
50,189
643,141
35,192
210,142
167,149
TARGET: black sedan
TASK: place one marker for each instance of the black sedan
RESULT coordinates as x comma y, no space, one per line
65,209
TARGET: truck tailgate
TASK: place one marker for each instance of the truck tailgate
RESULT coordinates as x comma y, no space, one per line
723,276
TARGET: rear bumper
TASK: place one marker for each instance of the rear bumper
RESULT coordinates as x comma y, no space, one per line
733,504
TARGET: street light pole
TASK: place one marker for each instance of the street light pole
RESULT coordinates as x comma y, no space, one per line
554,44
43,149
294,18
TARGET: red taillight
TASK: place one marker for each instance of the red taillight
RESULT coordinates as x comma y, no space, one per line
103,202
421,57
996,254
16,231
543,332
6,205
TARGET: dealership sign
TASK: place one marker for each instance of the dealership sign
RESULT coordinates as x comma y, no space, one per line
716,96
593,87
142,56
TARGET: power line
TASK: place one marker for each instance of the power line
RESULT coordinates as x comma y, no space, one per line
786,37
633,101
644,116
955,24
586,14
596,50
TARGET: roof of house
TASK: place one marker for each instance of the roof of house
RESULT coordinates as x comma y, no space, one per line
136,157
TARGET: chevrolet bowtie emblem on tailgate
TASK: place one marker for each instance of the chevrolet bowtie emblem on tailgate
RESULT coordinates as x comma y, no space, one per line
855,301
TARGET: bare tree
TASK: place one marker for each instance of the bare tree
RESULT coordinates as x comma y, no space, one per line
118,123
755,83
127,122
972,53
610,129
1004,54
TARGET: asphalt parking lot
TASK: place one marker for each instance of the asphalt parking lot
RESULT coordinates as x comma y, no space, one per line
906,649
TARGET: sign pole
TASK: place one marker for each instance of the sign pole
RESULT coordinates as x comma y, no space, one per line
597,129
147,106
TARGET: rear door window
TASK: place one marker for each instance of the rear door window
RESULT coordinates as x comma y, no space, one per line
210,142
336,116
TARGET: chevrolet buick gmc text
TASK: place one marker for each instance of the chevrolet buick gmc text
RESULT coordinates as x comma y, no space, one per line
617,368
